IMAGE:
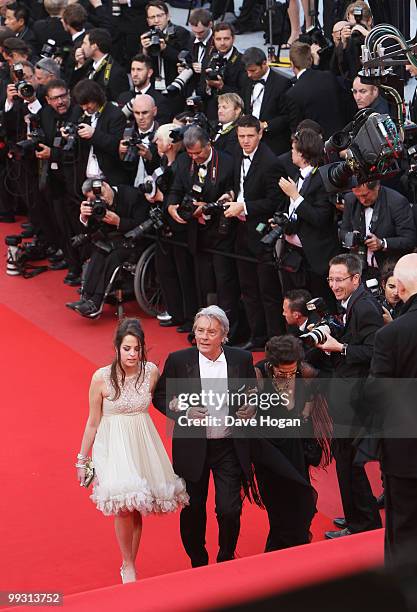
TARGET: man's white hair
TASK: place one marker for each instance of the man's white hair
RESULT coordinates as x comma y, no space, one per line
214,312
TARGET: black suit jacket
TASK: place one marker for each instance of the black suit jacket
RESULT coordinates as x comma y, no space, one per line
235,80
189,445
51,27
261,195
394,222
317,95
316,225
395,357
117,81
274,111
165,110
177,41
227,142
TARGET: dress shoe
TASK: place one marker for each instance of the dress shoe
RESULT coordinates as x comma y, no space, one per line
58,265
340,522
27,233
26,226
252,346
380,501
58,256
73,279
169,323
7,218
88,308
74,305
164,316
333,535
185,328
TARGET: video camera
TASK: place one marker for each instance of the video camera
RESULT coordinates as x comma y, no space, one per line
327,325
216,67
270,236
373,146
25,89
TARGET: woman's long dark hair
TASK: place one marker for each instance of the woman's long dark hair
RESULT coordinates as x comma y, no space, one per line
126,327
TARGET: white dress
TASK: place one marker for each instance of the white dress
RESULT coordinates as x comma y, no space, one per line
132,468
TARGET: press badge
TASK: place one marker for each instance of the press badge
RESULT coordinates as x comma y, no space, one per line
160,84
197,188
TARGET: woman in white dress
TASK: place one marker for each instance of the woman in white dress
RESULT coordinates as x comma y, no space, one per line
133,474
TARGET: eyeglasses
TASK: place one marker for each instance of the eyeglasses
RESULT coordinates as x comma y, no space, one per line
337,281
157,16
60,97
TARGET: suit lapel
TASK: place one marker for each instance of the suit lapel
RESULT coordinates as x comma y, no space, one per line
267,92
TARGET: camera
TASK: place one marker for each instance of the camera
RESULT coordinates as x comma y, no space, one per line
216,67
327,325
358,14
184,61
186,209
270,236
154,34
217,209
373,146
25,148
155,221
71,130
195,117
131,139
25,89
355,241
160,179
316,36
98,205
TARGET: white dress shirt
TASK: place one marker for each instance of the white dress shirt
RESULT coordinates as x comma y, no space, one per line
141,170
213,375
244,169
96,66
202,44
370,255
294,204
93,169
258,96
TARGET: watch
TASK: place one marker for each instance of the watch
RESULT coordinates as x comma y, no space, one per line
344,350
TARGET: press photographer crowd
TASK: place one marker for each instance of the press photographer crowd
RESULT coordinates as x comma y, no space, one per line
290,203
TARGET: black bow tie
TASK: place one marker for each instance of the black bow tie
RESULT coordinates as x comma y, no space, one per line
341,309
261,81
144,134
247,157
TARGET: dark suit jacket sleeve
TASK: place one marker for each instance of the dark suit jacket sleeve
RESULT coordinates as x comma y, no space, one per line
273,194
316,209
369,321
402,217
160,398
347,221
381,364
118,83
108,141
131,207
294,111
280,121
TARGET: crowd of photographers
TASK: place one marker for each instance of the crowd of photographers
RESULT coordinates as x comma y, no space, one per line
117,124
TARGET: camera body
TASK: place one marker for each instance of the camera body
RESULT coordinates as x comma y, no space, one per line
25,89
327,325
217,209
98,205
355,241
25,148
216,67
358,14
156,221
131,138
72,129
194,105
155,35
186,209
270,236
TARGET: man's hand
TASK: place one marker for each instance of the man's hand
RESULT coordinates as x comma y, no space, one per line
85,210
196,413
44,153
96,3
111,218
85,131
199,208
79,57
373,243
386,316
158,197
289,187
331,345
216,83
172,211
144,151
315,48
360,28
11,93
197,67
345,35
234,209
145,41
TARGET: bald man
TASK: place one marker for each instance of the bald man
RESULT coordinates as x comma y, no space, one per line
142,157
395,356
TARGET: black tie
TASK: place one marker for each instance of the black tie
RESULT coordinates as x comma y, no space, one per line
341,309
261,81
144,134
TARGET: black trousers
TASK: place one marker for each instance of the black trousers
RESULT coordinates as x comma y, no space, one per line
222,461
175,269
262,297
400,517
359,504
99,271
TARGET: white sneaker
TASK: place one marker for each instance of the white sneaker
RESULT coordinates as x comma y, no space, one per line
164,316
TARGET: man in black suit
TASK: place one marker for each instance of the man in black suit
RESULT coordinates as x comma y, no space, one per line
311,234
141,72
51,28
201,47
265,98
230,108
175,39
256,195
384,217
126,209
17,19
94,62
233,78
99,140
351,354
367,96
206,174
395,358
313,93
198,448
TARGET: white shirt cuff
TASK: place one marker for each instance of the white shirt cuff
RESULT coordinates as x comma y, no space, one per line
8,106
297,202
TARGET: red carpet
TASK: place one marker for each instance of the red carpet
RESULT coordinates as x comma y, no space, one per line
52,536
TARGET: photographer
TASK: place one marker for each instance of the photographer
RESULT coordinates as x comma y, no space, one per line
172,39
351,355
136,149
230,108
174,264
203,175
124,209
201,23
390,299
94,62
99,134
311,234
17,19
51,27
382,224
224,72
141,73
62,180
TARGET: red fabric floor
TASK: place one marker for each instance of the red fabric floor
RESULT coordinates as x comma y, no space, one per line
52,536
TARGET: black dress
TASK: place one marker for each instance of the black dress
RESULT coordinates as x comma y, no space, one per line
282,472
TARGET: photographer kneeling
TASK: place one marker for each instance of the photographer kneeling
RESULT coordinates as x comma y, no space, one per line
108,213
